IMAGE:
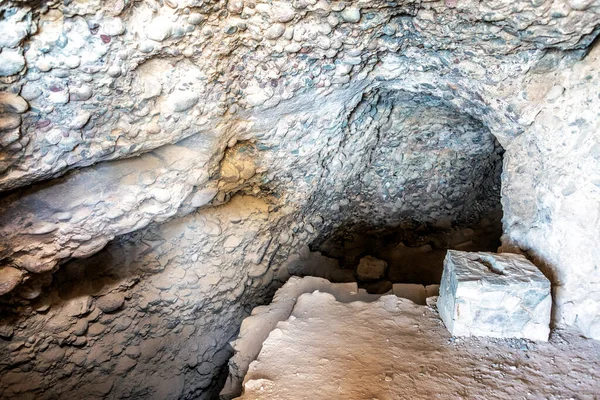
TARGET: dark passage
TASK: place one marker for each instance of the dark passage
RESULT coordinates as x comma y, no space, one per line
430,182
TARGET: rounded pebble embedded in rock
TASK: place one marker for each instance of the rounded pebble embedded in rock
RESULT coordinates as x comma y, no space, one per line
351,14
275,31
9,121
113,26
110,302
195,18
11,62
159,29
284,12
182,100
10,102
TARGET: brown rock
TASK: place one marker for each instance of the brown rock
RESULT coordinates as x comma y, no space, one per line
111,302
9,278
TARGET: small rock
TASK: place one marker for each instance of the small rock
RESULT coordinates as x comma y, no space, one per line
6,330
80,94
77,306
9,137
182,100
10,102
370,269
195,18
110,302
11,33
114,71
11,62
283,13
351,14
80,327
30,91
9,278
9,121
95,329
43,304
159,29
61,97
72,62
113,26
80,120
232,242
44,64
235,6
275,31
53,136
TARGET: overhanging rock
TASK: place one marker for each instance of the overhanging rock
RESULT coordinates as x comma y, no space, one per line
497,295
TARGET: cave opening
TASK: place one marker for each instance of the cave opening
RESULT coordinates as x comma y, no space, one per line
430,182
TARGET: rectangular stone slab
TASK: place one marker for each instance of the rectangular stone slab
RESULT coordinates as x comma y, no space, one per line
497,295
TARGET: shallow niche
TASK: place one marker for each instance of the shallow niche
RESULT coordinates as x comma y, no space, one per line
431,182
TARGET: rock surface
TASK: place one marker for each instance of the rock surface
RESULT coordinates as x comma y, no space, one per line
498,295
131,130
394,349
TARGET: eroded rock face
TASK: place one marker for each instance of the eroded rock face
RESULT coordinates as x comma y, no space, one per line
138,122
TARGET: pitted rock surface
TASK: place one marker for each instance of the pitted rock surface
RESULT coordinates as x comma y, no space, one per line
178,152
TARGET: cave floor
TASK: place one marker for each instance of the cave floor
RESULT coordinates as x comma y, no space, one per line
394,349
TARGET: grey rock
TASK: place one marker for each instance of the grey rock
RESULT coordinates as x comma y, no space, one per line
12,33
11,62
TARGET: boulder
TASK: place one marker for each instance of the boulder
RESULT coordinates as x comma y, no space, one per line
497,295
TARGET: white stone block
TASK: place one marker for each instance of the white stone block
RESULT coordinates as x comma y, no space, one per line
497,295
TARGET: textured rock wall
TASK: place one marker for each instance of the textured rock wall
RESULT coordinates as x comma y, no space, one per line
142,120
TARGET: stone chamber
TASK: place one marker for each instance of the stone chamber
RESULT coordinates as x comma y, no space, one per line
167,165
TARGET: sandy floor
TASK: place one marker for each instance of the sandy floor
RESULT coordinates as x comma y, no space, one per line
393,349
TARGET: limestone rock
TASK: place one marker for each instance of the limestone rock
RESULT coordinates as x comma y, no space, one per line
498,295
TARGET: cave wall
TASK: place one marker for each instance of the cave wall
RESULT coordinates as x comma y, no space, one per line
150,125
